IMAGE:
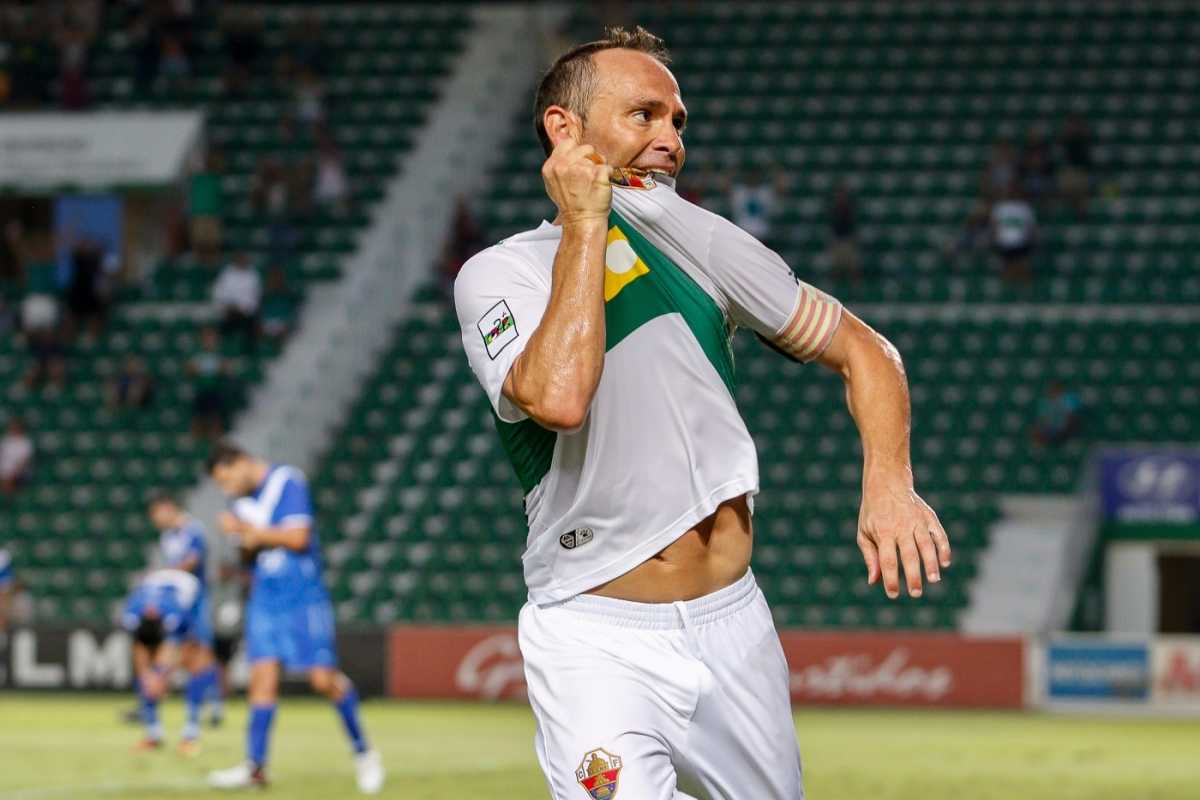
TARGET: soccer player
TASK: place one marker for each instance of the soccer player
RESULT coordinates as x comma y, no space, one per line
182,546
602,342
289,619
165,613
7,588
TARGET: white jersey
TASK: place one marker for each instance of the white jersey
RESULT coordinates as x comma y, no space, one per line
663,443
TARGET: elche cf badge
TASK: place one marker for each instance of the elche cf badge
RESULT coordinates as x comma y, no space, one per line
598,773
632,178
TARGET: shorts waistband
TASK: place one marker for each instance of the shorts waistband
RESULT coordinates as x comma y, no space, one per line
667,616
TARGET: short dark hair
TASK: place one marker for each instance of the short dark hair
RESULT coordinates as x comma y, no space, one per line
223,452
159,497
571,80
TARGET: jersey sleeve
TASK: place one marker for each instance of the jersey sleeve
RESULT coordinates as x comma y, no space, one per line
196,543
500,300
763,294
131,614
6,576
295,503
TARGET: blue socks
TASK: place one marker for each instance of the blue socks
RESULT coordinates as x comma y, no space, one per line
198,687
347,709
258,733
149,712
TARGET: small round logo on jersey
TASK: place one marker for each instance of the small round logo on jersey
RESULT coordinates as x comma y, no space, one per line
598,773
576,538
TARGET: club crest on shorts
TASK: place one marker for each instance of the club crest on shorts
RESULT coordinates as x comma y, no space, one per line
598,773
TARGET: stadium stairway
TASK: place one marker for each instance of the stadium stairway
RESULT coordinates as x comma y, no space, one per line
309,389
429,513
80,528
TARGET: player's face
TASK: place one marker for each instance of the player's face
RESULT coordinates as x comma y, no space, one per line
637,116
162,515
232,477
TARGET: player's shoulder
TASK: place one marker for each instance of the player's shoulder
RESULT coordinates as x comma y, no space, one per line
522,258
288,475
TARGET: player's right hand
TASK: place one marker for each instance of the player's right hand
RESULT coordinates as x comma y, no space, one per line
577,180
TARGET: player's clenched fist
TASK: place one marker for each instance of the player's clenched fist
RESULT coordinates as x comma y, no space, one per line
577,180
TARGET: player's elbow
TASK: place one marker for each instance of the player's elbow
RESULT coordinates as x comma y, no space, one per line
564,415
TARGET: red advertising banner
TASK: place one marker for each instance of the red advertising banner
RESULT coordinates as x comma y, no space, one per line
479,662
905,669
1175,661
913,669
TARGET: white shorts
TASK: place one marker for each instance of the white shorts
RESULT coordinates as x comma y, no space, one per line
641,701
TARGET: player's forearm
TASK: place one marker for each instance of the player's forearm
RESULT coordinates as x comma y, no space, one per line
294,538
556,376
877,395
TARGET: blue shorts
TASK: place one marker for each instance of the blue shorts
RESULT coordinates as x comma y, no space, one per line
298,638
196,627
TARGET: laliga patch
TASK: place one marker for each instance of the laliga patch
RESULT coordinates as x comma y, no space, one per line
632,178
598,773
498,328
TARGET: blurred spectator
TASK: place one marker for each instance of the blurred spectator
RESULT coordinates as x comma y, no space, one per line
242,33
12,251
1014,235
238,295
73,43
173,60
278,306
309,97
1059,416
843,247
205,204
271,196
16,457
1000,171
31,64
976,232
752,204
209,372
41,317
132,388
466,239
331,187
1074,181
1036,168
88,286
304,48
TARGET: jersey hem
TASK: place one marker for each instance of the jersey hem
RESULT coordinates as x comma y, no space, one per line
558,592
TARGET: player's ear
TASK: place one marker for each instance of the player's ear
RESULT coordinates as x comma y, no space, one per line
561,125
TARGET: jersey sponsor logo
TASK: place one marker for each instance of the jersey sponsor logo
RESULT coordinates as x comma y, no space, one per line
576,538
498,327
598,773
622,266
632,178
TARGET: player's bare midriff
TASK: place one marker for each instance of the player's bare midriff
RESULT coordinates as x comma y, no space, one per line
710,556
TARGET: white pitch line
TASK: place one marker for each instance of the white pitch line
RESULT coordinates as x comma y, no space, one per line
91,789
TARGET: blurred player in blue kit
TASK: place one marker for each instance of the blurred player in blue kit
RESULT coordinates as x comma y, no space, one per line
167,616
288,618
183,545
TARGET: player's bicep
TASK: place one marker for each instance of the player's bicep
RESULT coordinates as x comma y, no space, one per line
764,295
499,305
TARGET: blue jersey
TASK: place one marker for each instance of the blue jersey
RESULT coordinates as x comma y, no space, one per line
284,579
181,543
170,594
6,575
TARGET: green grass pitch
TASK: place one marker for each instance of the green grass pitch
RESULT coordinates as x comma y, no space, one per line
72,746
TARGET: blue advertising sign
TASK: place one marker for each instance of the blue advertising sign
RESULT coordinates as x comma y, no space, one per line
1097,670
1151,486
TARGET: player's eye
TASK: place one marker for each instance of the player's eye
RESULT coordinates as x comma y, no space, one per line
642,115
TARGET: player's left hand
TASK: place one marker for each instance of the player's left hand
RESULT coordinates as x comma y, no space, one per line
894,518
242,530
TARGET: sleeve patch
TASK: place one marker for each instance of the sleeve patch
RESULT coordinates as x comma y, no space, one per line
498,327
